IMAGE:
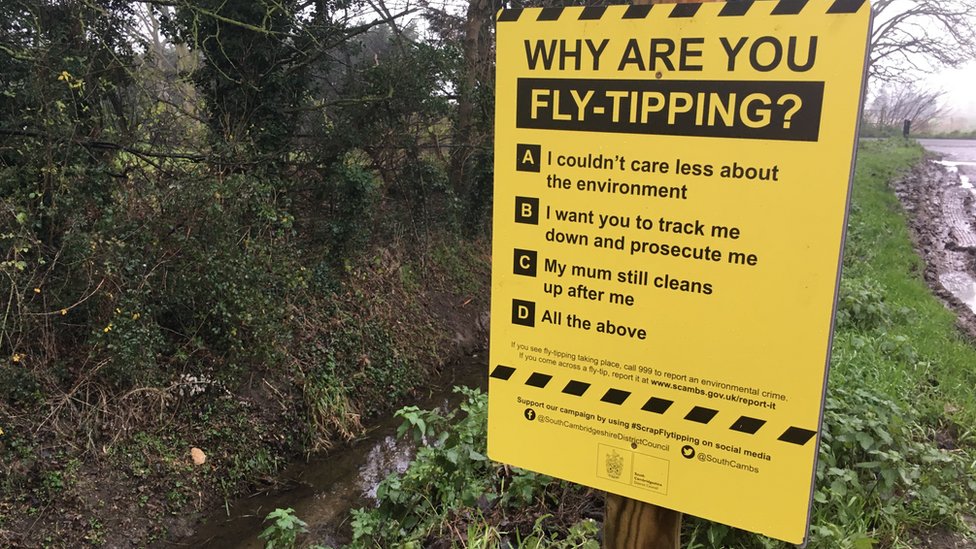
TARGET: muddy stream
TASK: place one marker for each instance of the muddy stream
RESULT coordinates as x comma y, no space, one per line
324,488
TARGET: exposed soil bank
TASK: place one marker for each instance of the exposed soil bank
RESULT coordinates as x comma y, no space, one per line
942,216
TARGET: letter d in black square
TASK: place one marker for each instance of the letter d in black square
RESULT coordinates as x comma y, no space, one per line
523,313
526,210
528,157
525,262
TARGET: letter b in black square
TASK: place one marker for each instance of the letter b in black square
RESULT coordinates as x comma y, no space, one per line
525,262
528,157
523,313
527,210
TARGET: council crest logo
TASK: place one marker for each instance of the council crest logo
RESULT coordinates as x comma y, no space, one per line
614,464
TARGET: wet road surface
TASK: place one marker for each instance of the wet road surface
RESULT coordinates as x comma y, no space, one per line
958,155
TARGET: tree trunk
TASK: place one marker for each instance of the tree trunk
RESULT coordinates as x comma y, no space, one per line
476,52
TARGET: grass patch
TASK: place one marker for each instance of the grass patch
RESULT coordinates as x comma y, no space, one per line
879,252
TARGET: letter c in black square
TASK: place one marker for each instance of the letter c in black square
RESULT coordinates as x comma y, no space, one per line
525,262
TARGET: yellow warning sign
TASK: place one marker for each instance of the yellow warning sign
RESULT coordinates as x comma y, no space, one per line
671,184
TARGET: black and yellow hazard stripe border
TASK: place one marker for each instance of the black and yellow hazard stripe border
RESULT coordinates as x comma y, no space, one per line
656,405
731,8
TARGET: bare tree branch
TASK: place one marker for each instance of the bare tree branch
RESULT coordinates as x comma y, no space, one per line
896,103
914,37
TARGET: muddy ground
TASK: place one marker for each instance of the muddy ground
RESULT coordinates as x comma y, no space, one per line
942,218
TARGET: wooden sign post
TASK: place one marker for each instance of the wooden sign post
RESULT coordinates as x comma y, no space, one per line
632,524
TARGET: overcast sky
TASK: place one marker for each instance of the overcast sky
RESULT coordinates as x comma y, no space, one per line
960,86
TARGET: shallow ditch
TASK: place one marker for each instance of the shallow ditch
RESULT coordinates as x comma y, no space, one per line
324,488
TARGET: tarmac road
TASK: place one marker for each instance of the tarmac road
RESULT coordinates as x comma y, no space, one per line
957,154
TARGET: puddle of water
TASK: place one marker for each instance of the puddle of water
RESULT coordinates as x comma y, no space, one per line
953,167
327,486
962,286
392,455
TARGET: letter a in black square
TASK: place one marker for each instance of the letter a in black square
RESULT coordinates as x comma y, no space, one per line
525,262
527,210
523,313
528,157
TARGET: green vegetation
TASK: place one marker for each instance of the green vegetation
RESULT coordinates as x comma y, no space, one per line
245,227
226,225
284,529
897,461
954,134
452,489
890,327
869,129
